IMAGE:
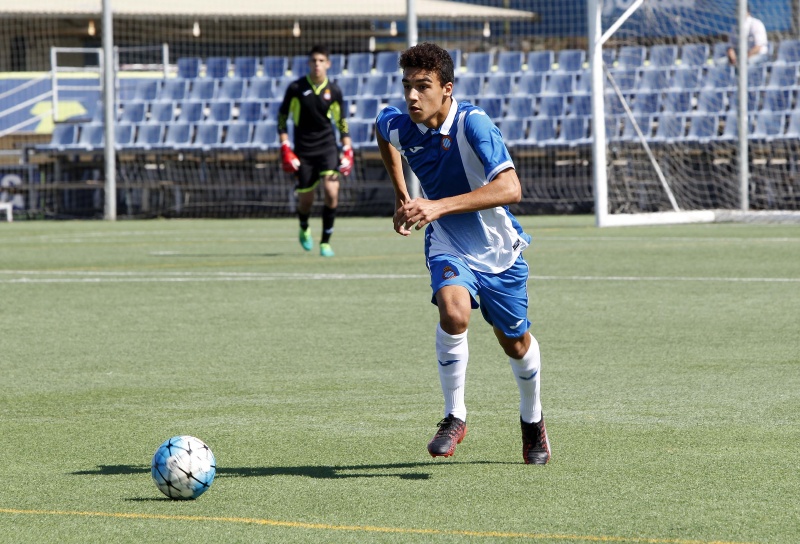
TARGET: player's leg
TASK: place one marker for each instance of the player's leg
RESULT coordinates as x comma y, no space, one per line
331,193
307,179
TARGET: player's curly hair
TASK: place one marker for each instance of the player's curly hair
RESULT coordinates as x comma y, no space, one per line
430,57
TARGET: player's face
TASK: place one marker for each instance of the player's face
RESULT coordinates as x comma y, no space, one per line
426,97
318,65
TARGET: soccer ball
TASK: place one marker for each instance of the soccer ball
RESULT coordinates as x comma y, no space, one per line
183,467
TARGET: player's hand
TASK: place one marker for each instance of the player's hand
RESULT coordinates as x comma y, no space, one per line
346,164
289,161
417,213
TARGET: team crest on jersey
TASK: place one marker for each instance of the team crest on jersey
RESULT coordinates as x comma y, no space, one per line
327,95
449,273
446,142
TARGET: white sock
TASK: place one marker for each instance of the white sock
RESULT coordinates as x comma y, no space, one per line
452,353
527,373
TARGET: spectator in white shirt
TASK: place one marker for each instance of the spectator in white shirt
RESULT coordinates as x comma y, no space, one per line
757,42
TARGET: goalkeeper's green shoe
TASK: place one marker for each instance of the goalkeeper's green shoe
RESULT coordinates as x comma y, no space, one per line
305,239
326,250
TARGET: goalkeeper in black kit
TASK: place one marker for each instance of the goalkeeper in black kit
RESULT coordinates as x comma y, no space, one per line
315,105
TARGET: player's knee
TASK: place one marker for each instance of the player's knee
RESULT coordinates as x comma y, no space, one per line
453,321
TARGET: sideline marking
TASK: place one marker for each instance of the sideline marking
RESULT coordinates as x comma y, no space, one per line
363,528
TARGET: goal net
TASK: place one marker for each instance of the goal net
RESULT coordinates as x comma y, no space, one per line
674,141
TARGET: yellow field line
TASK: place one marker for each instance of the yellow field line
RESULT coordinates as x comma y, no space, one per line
364,528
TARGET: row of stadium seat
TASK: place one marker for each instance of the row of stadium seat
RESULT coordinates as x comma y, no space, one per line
529,131
511,62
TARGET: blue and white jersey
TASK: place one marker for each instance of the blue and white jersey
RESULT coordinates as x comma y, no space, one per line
465,153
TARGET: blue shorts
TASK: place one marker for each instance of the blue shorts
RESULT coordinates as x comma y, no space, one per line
503,297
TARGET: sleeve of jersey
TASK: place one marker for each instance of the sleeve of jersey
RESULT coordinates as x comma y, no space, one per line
486,140
339,115
283,111
384,121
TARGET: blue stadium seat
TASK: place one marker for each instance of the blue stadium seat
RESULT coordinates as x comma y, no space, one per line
133,113
663,56
793,128
580,106
161,112
510,62
398,103
272,107
540,61
366,108
479,62
788,52
455,54
299,66
376,85
274,66
203,89
217,67
756,77
231,89
245,67
552,106
251,111
350,86
512,129
769,125
613,127
646,103
530,84
188,67
710,101
560,83
541,131
237,136
654,80
677,102
730,130
703,128
337,65
753,99
174,90
782,76
645,124
191,112
282,84
146,91
261,88
670,128
386,62
208,136
361,133
694,54
613,105
720,77
220,112
123,136
492,105
571,60
520,107
719,51
91,137
777,100
631,56
498,84
359,63
148,136
626,79
265,135
574,131
179,136
468,85
609,56
583,82
685,78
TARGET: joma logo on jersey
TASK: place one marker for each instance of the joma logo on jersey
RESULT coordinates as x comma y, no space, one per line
413,150
448,273
446,142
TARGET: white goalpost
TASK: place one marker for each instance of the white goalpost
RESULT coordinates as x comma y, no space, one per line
673,119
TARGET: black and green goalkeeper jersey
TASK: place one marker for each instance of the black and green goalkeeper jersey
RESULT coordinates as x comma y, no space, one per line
313,110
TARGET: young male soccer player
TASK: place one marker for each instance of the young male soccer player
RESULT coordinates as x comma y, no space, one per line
473,244
314,103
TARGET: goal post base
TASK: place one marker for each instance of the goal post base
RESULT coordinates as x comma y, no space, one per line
698,216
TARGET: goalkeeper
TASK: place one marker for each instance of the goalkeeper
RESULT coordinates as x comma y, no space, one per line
315,104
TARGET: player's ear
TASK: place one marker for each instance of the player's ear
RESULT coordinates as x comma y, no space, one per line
448,88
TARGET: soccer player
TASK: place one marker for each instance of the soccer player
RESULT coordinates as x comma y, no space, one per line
315,105
473,244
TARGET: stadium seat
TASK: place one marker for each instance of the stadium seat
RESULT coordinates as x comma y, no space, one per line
208,136
512,129
337,65
646,103
731,127
260,88
580,105
498,84
377,85
685,79
793,127
479,62
542,131
609,56
520,107
272,107
203,89
220,112
645,124
174,90
560,83
663,56
788,52
359,63
694,54
510,62
492,105
237,136
386,62
583,82
756,77
753,99
90,137
231,89
179,136
540,61
720,77
782,76
571,60
653,80
777,100
677,102
299,66
274,66
188,67
574,131
217,67
468,85
146,91
613,105
148,136
360,133
613,127
123,136
191,112
133,113
670,128
703,128
245,67
719,51
768,125
161,112
366,108
350,86
251,111
398,103
710,101
530,84
625,79
631,56
552,106
455,54
282,84
265,135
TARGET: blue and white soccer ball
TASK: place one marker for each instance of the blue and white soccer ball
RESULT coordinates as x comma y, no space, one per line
183,467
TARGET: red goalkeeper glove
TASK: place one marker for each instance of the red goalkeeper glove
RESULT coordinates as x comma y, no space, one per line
346,164
289,161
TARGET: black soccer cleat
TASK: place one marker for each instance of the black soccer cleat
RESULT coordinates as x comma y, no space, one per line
535,445
451,432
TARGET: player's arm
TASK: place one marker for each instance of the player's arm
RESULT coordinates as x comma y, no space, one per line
394,166
289,161
503,190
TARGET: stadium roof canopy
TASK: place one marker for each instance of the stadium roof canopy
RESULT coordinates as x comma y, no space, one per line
295,9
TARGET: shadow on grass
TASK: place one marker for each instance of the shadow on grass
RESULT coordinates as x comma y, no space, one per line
320,472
